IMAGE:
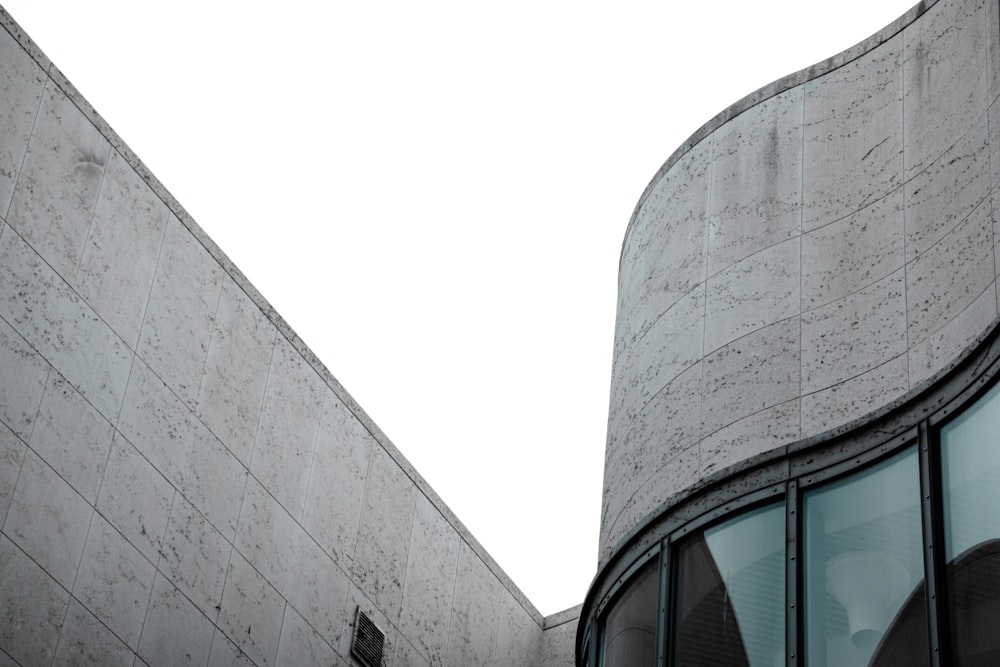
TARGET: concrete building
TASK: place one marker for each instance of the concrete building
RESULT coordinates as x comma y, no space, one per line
181,480
803,455
802,462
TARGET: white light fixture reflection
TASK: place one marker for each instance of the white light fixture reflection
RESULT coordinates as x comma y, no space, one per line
869,585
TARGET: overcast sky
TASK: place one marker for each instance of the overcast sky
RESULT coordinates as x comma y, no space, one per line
434,196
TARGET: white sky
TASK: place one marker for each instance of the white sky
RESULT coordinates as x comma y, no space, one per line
434,195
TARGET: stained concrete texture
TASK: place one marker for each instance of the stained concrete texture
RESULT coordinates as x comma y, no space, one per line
181,480
813,254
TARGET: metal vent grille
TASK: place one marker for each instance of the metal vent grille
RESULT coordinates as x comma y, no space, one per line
369,641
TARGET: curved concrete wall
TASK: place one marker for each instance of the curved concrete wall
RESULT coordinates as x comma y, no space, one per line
814,253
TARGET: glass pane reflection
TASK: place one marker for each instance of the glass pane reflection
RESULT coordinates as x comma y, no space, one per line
731,593
970,471
863,571
630,628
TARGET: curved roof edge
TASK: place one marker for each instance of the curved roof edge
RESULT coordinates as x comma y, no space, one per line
776,88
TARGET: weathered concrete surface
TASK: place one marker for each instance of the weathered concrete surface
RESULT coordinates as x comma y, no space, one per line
181,480
815,252
559,638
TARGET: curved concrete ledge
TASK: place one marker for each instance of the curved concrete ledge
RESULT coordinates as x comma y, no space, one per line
780,86
812,254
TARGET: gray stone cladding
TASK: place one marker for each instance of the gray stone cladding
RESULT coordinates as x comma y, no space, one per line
811,255
181,480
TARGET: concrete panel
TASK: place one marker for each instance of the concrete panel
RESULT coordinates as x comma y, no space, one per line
559,646
755,292
48,520
224,653
380,554
853,146
289,419
278,547
61,327
407,654
21,85
472,640
162,428
54,201
429,588
670,346
993,48
943,194
87,641
114,581
756,180
195,556
671,245
179,317
755,372
944,346
337,486
854,252
33,607
301,646
174,632
251,612
944,79
943,281
679,473
854,334
267,536
11,455
25,374
136,498
760,432
72,437
854,398
232,386
614,495
518,635
668,424
119,256
994,140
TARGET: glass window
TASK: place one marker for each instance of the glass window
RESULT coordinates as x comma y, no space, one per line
630,628
863,571
731,593
970,471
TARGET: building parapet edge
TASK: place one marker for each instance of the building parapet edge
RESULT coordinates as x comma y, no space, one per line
119,145
562,617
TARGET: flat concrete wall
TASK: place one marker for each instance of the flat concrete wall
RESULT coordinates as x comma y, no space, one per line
181,481
559,638
813,254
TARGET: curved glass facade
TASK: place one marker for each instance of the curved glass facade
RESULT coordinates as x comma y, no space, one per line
730,601
889,554
970,481
864,566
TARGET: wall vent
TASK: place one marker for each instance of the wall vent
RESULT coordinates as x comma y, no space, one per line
369,640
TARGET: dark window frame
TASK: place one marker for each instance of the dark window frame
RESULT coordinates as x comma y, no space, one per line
914,420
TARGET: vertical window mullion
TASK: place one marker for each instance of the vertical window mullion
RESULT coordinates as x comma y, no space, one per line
933,527
793,612
663,623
